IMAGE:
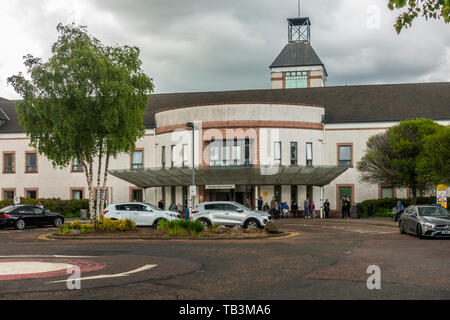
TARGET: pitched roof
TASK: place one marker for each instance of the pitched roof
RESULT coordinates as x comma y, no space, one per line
368,103
297,55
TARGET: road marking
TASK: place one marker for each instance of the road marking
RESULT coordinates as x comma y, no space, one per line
45,237
30,267
291,234
106,276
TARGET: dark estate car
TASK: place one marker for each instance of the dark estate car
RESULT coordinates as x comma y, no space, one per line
21,216
425,221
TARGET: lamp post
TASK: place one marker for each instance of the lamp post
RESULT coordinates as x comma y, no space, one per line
192,125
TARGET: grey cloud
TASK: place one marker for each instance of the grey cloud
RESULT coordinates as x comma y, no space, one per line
203,45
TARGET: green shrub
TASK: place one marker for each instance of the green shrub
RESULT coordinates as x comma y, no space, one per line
382,207
108,225
181,228
68,208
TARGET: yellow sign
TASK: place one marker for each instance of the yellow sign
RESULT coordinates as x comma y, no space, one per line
265,193
441,195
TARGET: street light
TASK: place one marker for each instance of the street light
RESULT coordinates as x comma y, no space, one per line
192,125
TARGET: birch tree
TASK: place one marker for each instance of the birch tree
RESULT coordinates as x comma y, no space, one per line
86,102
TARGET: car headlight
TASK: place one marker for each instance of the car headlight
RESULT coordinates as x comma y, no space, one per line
428,225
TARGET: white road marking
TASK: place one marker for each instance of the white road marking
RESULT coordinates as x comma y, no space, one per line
22,267
106,276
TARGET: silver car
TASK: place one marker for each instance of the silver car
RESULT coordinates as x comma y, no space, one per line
143,214
229,213
425,221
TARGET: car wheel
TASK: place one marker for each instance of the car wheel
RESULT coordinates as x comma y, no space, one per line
205,222
156,223
419,232
252,224
57,222
20,224
402,229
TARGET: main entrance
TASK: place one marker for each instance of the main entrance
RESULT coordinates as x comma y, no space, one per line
243,194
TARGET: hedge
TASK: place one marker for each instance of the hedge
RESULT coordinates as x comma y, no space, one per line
68,208
382,207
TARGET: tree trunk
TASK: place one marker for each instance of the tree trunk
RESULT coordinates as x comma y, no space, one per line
414,194
105,178
91,190
99,172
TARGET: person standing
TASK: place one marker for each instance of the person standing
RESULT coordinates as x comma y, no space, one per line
260,204
348,204
306,207
274,207
343,207
398,210
326,208
161,204
312,209
294,209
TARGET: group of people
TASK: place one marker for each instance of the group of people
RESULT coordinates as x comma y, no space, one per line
277,209
172,207
346,205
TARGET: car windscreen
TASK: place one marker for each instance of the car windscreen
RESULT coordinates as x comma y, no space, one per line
237,204
8,209
153,207
433,212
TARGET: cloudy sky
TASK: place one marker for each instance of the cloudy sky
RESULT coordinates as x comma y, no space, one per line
206,45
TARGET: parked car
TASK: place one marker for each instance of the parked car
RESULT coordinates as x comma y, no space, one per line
229,213
143,214
425,221
21,216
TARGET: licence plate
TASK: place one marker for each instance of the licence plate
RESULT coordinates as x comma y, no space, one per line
445,232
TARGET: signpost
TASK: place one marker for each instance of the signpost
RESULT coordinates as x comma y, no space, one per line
441,195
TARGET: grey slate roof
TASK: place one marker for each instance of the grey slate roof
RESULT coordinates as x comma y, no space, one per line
296,55
368,103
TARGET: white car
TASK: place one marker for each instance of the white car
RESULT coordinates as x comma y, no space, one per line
229,213
143,214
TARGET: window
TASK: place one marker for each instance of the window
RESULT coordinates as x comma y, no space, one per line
163,156
277,151
9,193
38,210
137,161
345,155
296,79
9,162
172,156
31,193
294,153
31,162
387,192
76,165
309,154
230,152
76,194
185,155
136,195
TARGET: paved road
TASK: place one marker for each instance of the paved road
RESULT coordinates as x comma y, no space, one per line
325,260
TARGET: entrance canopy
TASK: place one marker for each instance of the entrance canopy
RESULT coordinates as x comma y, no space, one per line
254,175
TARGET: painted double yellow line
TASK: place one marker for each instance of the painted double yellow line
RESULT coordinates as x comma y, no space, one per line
290,235
45,237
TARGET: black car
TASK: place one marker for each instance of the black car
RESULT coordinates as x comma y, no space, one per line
24,215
